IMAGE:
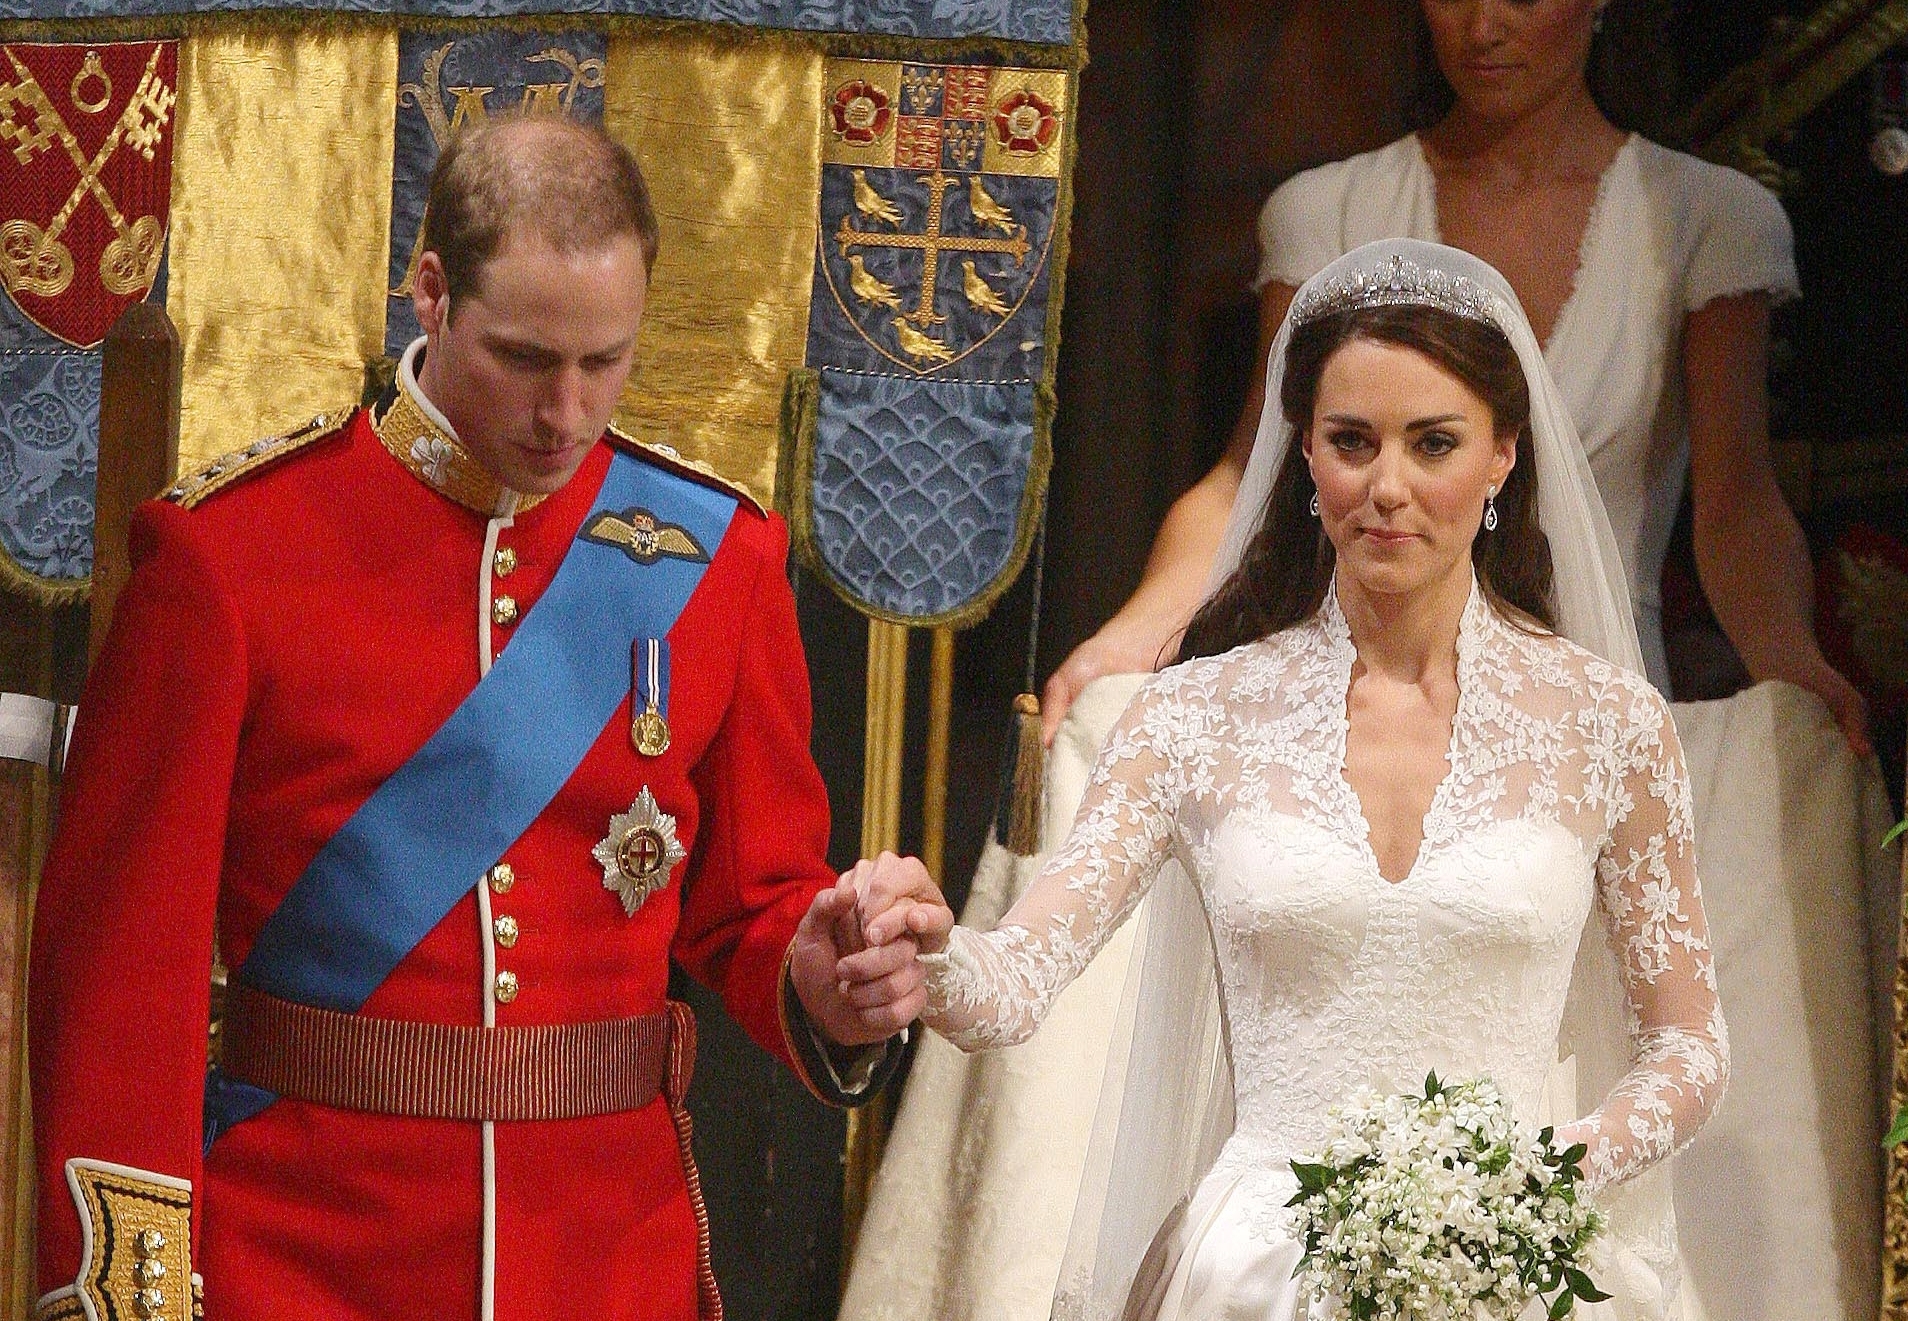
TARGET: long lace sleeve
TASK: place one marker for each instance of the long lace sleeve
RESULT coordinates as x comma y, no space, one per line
992,989
1653,910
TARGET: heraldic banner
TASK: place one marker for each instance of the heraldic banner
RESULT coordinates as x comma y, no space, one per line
863,208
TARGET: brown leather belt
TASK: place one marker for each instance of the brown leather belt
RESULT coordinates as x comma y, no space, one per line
438,1071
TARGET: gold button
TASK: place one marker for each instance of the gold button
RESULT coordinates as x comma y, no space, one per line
506,929
506,987
505,562
503,610
502,877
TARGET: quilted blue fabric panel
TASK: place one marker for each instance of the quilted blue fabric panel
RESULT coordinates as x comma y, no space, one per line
1043,22
917,485
49,445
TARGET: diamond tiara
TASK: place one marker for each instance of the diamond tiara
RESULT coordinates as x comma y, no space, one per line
1400,282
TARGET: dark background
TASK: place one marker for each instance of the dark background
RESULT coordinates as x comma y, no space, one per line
1190,114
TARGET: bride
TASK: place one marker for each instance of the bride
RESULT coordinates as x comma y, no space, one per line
1404,760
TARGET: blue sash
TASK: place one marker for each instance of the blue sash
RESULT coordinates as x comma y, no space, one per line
425,839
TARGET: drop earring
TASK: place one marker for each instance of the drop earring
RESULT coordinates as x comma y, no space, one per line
1490,511
1314,504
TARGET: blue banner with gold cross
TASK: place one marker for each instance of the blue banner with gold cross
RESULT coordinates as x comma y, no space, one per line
922,456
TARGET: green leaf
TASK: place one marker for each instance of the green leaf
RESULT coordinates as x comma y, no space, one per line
1900,828
1899,1133
1560,1305
1581,1286
1314,1178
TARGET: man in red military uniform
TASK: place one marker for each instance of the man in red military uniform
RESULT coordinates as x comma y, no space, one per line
456,719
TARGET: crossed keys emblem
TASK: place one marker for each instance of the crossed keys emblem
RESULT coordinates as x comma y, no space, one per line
34,260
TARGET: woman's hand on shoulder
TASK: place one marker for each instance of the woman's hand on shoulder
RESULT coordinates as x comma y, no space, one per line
1118,648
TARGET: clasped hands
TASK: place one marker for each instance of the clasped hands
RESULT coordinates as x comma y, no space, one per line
855,958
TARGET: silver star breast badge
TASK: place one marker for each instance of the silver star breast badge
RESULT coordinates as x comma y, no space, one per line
639,852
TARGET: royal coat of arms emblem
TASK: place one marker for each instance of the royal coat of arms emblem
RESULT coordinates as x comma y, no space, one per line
939,191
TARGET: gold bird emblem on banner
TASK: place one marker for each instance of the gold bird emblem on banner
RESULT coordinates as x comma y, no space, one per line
871,203
870,288
641,536
924,347
986,209
980,294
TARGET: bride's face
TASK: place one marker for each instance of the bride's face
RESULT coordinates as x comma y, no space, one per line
1505,57
1404,455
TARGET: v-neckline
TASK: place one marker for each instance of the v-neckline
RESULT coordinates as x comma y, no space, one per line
1587,242
1338,631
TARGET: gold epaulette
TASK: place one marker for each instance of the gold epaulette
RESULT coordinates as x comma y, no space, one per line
666,457
227,469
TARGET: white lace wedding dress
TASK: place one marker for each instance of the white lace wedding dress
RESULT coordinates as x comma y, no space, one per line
1565,794
1779,1200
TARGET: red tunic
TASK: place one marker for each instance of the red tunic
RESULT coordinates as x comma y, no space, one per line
281,649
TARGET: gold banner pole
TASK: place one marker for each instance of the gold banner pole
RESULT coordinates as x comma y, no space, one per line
934,778
880,830
1773,95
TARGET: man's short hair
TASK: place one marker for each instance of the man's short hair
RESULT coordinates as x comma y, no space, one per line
572,184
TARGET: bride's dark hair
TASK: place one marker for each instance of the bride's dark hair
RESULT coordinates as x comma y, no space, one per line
1286,567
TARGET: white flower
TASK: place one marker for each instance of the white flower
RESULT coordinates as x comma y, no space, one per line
1438,1207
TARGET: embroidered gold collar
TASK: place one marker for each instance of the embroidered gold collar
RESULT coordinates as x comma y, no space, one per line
433,456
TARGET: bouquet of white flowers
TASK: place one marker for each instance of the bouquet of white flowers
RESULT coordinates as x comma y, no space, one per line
1443,1207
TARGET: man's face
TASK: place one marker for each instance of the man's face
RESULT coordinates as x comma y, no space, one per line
528,368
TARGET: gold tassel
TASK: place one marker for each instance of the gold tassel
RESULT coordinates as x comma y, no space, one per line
1023,811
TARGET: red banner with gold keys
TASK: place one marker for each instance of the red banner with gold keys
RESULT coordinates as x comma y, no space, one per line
85,179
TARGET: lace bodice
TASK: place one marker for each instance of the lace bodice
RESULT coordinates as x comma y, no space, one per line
1565,791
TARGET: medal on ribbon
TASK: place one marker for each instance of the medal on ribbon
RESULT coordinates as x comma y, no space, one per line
648,729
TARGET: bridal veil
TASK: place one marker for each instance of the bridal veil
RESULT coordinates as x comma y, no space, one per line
1166,1101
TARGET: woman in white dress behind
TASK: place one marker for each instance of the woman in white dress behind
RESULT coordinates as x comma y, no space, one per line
1420,796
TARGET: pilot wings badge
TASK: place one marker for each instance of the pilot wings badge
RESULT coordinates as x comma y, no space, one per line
639,852
639,535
